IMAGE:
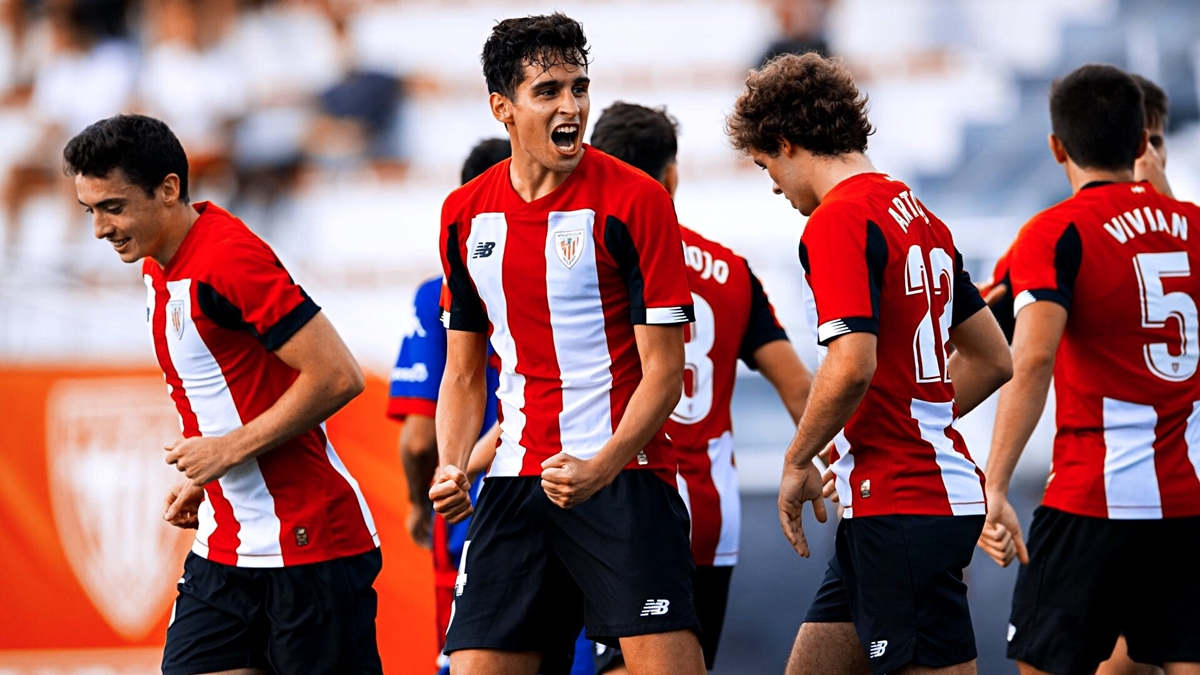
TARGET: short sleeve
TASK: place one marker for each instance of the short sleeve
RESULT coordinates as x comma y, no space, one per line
461,307
250,289
1044,263
762,326
967,300
417,376
1002,309
649,252
845,262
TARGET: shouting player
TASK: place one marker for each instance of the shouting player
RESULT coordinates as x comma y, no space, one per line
280,576
1105,301
890,296
572,262
734,320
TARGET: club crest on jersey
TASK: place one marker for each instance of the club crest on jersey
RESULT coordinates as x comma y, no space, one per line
175,317
569,247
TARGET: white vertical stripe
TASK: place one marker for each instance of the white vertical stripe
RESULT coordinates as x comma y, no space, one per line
963,487
681,485
217,415
580,341
336,462
1130,478
206,526
1192,437
842,469
810,315
487,273
725,478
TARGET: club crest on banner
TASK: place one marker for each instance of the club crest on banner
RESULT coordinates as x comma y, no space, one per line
107,481
569,246
175,317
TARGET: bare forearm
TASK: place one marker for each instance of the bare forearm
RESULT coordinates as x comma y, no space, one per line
974,381
310,400
649,407
459,418
419,456
779,364
1017,413
833,400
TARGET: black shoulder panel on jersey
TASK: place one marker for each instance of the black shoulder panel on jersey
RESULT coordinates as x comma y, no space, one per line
1002,309
466,309
877,259
967,300
1068,257
221,311
621,247
761,327
804,258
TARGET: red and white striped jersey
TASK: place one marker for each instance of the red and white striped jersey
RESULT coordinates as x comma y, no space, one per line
559,282
877,261
1119,258
733,319
216,313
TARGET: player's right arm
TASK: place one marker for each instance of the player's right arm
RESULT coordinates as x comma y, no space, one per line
981,362
765,347
461,402
463,394
1045,261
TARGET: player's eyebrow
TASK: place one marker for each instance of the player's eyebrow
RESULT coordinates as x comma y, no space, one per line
544,84
103,203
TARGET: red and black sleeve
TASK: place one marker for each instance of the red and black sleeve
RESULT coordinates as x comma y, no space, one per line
1045,262
462,309
649,253
845,263
762,327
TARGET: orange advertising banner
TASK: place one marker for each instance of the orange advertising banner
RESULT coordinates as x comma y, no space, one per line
87,565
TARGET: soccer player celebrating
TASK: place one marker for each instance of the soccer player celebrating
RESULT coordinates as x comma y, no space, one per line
572,262
1105,302
413,400
890,296
734,320
280,576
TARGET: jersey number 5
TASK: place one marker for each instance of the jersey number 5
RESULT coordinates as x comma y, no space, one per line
696,401
934,283
1159,307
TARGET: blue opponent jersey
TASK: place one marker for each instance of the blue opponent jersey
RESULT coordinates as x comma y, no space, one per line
417,375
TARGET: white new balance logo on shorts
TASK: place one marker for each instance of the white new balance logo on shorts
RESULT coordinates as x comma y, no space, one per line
656,607
878,648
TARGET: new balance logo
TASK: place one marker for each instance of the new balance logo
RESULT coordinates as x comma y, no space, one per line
484,249
656,607
877,649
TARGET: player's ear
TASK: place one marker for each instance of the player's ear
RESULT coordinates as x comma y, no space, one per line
501,108
170,189
786,148
1057,149
1144,145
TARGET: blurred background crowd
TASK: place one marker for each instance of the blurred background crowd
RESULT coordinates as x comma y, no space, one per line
334,128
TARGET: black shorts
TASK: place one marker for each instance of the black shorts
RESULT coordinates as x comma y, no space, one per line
899,580
1091,579
711,596
317,618
533,572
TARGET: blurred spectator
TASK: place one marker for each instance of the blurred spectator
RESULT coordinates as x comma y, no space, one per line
194,80
802,24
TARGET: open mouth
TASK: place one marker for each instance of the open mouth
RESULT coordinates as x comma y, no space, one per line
565,137
119,244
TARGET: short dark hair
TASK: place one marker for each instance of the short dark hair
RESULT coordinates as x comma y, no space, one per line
1096,112
807,99
142,148
545,41
640,136
1154,101
486,154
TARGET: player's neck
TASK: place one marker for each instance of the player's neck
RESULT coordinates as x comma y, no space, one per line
834,170
532,180
1079,176
179,224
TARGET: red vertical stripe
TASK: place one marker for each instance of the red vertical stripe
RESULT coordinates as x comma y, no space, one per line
1178,485
524,282
705,502
225,536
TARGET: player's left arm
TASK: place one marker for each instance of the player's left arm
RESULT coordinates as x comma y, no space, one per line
327,379
569,481
779,364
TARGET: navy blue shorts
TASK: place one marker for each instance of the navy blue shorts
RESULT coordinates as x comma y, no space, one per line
1091,579
899,580
317,618
532,571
